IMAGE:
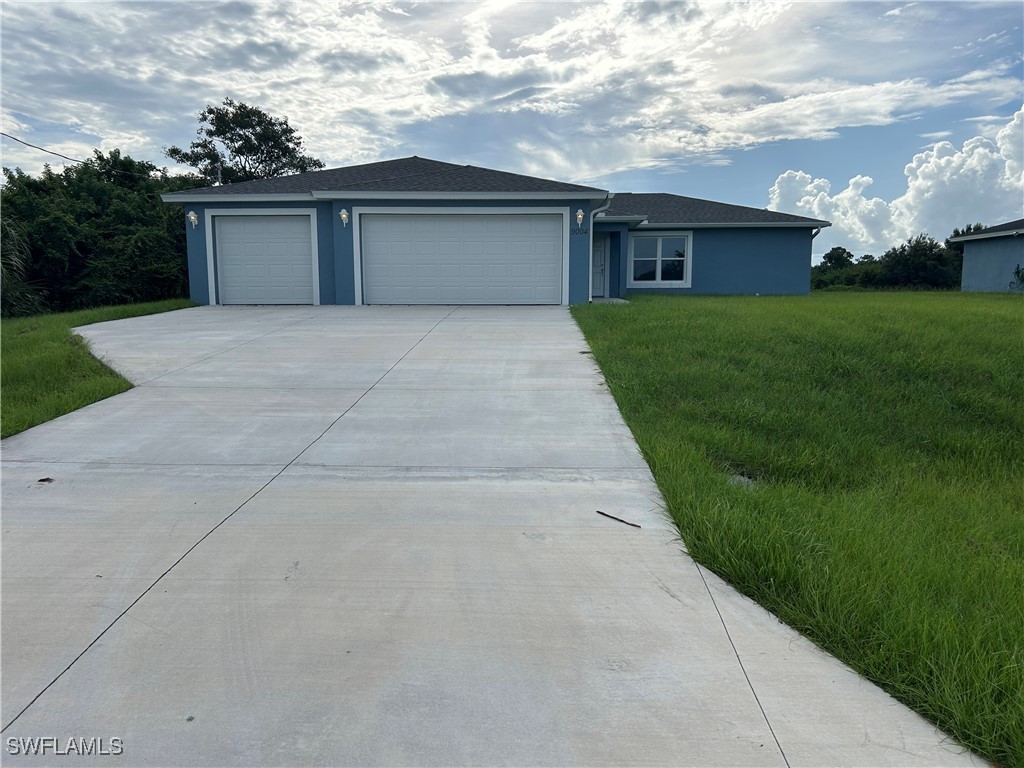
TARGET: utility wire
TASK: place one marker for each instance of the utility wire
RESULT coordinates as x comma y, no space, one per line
72,159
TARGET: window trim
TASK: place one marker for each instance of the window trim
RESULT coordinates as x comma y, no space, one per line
660,236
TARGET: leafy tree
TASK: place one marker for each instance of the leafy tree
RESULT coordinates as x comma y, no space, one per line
98,233
245,143
17,297
922,262
837,258
957,232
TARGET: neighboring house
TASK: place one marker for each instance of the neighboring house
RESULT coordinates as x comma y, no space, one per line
991,257
418,231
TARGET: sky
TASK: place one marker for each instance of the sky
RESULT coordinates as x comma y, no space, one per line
885,118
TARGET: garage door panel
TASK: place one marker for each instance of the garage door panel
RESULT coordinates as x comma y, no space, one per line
462,259
265,259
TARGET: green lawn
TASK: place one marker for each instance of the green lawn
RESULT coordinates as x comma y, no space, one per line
47,371
885,433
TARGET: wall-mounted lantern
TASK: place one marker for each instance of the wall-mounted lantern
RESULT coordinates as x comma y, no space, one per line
192,219
579,218
343,215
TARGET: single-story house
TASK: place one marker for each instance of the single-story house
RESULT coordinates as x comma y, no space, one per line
419,231
993,257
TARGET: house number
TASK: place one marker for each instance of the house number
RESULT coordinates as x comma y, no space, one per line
580,230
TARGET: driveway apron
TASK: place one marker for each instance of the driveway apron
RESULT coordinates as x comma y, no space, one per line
370,536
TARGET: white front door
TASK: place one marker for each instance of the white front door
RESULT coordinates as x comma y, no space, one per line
598,279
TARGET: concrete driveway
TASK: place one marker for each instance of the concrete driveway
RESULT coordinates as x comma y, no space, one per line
368,535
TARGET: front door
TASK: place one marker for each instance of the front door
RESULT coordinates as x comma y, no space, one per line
599,280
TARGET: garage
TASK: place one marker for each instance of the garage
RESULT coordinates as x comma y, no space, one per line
449,258
265,259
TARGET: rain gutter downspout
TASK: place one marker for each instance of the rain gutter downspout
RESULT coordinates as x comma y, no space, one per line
590,272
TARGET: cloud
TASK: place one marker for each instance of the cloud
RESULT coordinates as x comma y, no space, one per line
946,187
625,85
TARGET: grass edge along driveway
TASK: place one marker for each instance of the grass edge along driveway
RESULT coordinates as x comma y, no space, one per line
46,370
883,433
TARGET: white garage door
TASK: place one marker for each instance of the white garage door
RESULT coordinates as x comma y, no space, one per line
461,259
265,259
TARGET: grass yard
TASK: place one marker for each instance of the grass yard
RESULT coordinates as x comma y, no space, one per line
47,371
885,433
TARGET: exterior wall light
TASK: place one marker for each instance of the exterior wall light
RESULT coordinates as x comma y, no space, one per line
192,219
343,215
579,218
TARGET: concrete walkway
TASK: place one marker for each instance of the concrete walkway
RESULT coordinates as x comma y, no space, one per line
367,536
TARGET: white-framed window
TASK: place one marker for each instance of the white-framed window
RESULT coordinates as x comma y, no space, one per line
659,260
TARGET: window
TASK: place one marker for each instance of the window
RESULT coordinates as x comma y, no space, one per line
659,260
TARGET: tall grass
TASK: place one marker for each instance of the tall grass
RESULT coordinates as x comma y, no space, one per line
885,433
47,371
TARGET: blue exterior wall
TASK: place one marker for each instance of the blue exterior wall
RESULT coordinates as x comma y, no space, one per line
618,235
336,242
765,260
195,242
989,263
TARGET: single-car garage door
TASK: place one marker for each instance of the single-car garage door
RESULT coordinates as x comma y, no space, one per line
461,258
265,259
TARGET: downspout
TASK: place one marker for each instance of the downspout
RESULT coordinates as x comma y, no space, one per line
590,272
815,233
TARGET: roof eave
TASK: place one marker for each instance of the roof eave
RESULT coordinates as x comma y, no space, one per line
601,218
1004,233
745,224
234,197
596,194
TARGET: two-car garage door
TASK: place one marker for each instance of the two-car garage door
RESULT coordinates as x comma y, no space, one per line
443,258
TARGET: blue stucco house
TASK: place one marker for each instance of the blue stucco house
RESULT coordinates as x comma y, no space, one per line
991,257
418,231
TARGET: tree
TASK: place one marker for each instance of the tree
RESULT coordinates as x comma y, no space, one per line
957,232
244,143
95,234
17,297
921,262
837,258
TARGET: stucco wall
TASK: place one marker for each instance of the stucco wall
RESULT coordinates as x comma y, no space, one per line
336,241
989,263
765,260
196,239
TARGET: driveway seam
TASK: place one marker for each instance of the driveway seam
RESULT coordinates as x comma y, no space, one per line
739,660
218,525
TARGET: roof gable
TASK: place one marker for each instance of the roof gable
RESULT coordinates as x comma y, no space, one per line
663,208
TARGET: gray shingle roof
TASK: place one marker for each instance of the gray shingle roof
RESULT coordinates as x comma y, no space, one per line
663,208
1009,228
409,174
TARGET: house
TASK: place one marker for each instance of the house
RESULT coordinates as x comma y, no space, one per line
419,231
993,257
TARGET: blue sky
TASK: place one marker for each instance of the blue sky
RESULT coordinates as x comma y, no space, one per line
885,118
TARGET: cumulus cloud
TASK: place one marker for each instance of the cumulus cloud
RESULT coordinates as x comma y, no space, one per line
947,187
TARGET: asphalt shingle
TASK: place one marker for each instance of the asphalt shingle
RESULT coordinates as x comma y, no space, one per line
408,174
663,208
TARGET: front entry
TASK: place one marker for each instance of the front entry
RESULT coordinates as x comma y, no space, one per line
599,277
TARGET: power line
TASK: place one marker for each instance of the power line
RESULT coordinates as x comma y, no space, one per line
72,159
